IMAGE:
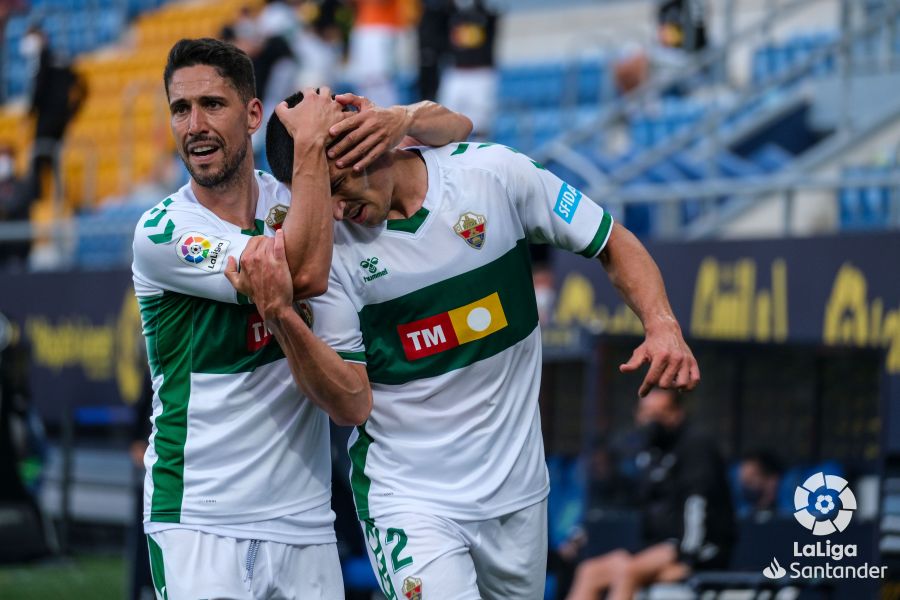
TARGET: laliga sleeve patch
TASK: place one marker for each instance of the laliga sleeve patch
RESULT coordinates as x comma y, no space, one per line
202,251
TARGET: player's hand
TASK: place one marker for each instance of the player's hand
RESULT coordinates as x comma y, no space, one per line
312,117
672,364
264,277
370,132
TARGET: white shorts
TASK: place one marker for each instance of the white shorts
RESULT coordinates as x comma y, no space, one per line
425,556
188,565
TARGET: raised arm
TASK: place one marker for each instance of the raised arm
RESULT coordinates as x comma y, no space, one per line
308,226
635,275
339,388
373,130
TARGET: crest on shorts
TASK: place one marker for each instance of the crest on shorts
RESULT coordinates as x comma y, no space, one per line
412,588
276,216
471,227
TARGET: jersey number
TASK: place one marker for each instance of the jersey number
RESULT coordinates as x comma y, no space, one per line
397,563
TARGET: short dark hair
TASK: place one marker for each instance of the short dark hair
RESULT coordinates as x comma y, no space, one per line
230,62
280,144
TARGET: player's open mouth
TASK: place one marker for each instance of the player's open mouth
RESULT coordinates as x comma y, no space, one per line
202,150
358,215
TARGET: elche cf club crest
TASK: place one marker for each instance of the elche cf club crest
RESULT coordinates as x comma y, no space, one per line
412,588
471,227
276,216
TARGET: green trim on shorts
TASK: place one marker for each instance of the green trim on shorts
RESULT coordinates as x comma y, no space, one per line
157,568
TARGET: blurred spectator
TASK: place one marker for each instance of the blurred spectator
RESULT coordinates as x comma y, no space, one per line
320,43
56,94
680,32
682,24
759,476
469,83
373,49
687,516
434,42
13,207
22,532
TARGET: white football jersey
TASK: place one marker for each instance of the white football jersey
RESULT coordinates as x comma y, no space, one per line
441,308
235,447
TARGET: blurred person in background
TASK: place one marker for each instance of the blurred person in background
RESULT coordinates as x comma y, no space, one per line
680,35
14,202
320,45
374,39
685,504
24,534
759,477
237,486
56,95
469,81
439,314
434,43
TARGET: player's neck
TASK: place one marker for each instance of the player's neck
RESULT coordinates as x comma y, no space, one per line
234,201
410,184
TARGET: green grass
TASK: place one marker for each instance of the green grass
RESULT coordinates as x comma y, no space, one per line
87,577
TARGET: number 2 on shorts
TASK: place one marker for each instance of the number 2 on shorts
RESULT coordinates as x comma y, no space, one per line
397,563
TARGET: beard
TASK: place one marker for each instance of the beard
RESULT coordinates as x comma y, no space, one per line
222,177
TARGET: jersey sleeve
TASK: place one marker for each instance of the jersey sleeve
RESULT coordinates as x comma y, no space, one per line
181,251
552,211
336,321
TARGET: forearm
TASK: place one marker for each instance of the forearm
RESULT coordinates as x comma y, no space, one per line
634,274
308,226
323,376
436,125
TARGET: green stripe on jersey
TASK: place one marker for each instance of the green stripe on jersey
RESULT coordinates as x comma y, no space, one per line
185,335
359,481
509,276
599,237
170,356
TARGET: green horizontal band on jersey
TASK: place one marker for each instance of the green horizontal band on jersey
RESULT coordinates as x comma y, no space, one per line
508,275
353,356
599,238
410,225
242,299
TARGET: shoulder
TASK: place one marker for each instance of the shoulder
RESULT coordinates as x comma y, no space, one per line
270,189
502,161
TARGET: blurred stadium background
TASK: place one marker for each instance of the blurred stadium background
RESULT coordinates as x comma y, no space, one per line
761,171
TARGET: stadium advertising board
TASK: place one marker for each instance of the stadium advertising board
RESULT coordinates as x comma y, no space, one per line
83,330
831,291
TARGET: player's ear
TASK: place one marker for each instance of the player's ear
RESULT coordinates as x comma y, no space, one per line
254,115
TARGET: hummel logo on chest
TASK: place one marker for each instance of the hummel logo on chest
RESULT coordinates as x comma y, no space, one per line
370,268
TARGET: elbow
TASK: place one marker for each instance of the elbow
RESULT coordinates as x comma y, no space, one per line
356,414
310,285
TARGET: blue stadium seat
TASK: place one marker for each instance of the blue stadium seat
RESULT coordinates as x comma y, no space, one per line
863,208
